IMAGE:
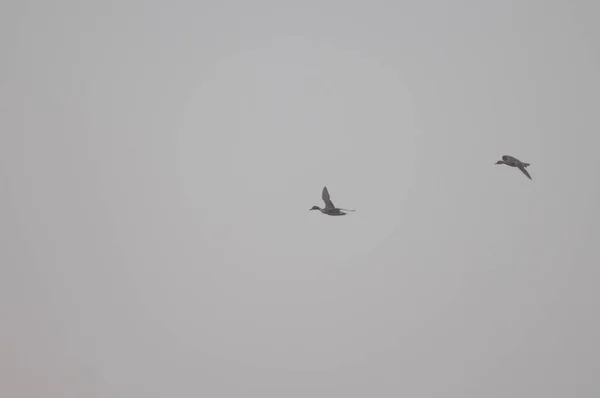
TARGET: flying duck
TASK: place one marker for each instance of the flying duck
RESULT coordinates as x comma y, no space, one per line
514,162
329,209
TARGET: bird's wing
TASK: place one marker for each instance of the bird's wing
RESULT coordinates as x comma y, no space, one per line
522,168
326,199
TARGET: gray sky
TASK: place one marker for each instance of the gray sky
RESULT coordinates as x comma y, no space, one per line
158,160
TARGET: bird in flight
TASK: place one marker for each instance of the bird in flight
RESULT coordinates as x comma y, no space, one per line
514,162
329,209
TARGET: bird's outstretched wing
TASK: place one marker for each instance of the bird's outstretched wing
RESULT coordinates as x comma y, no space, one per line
522,168
327,199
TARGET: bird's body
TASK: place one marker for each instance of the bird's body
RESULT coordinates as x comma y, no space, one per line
514,162
329,209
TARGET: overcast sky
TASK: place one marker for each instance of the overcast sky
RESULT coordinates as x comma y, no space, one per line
158,160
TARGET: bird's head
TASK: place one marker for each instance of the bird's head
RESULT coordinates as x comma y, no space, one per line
500,162
314,208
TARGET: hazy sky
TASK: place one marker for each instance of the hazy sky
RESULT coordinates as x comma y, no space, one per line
158,160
